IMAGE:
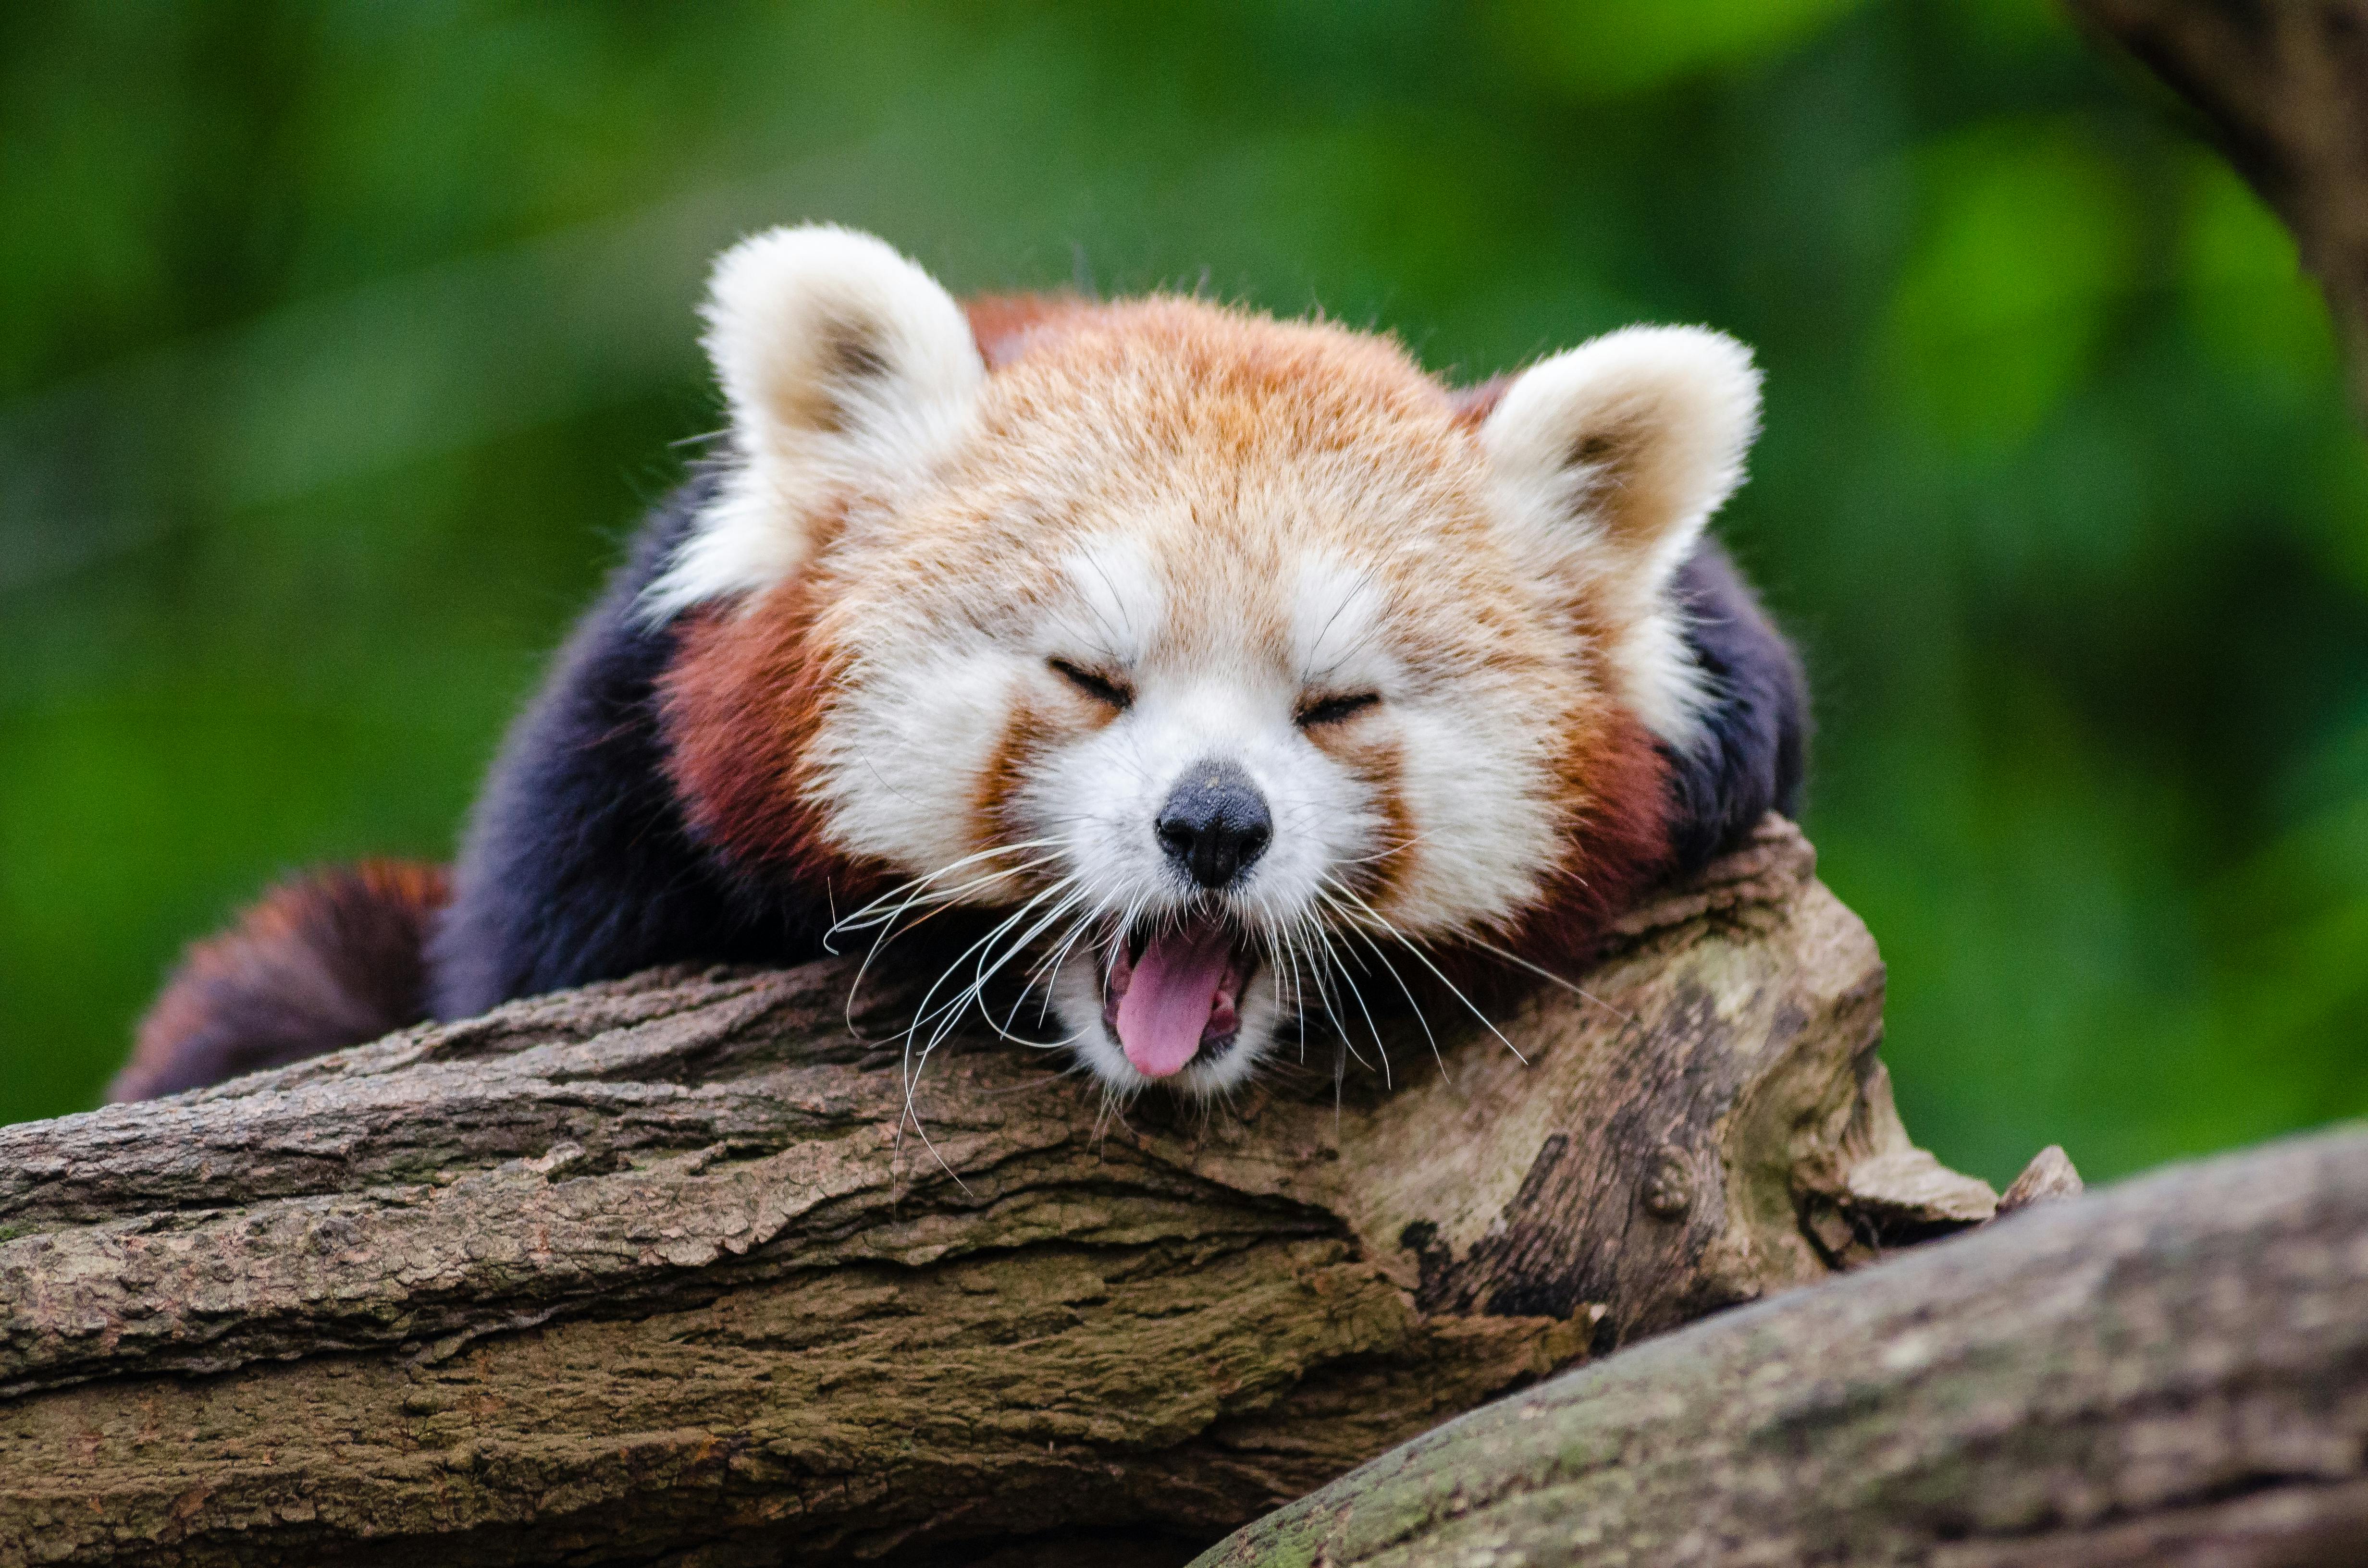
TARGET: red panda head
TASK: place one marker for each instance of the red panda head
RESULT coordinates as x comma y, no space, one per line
1216,651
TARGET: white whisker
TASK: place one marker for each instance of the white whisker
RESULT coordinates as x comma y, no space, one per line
1412,1006
1453,989
1543,973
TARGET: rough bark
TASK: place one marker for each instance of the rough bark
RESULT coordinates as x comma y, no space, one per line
2282,87
2172,1372
658,1270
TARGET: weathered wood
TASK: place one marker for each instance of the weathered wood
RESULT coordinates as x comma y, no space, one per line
2048,1177
2282,87
2173,1372
652,1267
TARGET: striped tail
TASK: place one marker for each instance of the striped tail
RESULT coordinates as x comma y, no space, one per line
332,959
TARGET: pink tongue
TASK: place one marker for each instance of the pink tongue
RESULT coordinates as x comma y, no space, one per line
1174,990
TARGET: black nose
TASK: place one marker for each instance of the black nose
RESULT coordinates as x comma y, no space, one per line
1214,823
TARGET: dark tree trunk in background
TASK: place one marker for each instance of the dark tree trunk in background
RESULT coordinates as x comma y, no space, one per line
2282,88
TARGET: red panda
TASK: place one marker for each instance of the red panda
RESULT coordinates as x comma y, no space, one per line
1192,647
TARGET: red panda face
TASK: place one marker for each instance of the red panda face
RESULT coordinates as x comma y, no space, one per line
1226,657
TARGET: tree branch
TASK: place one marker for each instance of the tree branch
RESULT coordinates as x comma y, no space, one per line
646,1268
2173,1372
2283,86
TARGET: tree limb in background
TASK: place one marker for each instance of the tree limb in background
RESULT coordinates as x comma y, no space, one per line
662,1266
2283,85
2174,1372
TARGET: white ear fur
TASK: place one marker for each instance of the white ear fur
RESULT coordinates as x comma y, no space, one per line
1611,456
845,367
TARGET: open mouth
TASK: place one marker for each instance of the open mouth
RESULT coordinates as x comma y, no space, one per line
1172,993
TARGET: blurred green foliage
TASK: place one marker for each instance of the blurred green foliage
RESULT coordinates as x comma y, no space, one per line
342,342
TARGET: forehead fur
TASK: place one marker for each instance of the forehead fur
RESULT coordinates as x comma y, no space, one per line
1243,459
1249,430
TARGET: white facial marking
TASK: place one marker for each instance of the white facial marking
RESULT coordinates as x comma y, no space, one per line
1204,694
1335,617
1115,606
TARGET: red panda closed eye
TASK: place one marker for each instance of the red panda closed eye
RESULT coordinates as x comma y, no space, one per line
1188,644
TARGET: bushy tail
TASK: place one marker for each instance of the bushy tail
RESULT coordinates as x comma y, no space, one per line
332,959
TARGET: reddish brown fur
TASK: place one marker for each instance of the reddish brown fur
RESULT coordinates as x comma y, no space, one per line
1377,764
1619,839
1615,777
1182,412
1619,842
331,960
1024,739
1474,404
742,702
1616,850
1006,326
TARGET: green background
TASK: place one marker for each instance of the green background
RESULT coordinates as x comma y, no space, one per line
341,344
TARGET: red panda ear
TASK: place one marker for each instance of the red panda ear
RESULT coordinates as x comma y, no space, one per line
1629,442
845,367
1610,457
